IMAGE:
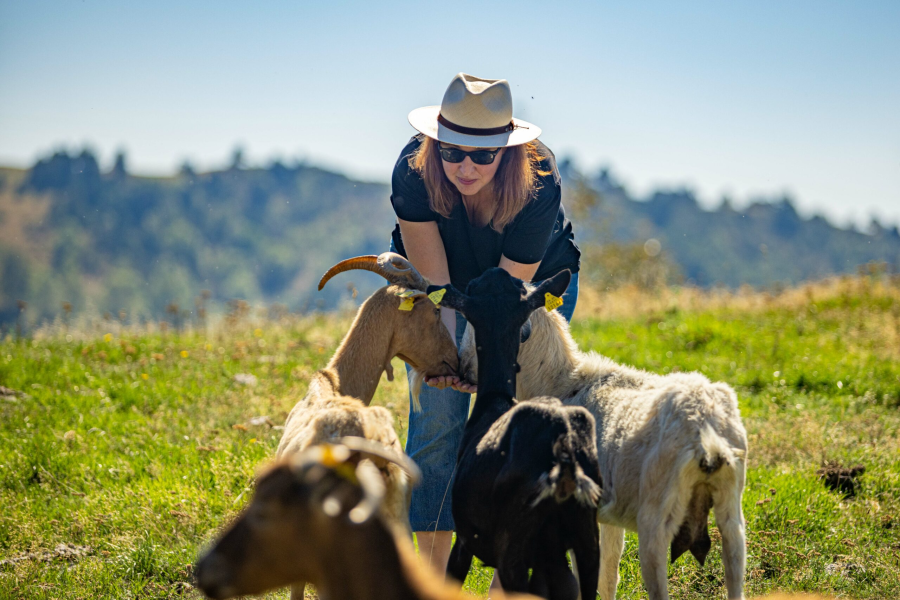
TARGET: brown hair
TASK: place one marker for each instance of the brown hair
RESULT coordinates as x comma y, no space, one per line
514,185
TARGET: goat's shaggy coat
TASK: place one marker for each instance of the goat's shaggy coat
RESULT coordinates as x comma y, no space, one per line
527,481
670,447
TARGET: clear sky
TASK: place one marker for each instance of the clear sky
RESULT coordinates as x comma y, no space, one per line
738,98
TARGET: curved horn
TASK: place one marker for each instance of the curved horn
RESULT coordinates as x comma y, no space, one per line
366,263
370,449
323,454
389,265
372,485
335,457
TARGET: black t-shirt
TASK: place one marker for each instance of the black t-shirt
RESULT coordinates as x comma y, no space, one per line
539,233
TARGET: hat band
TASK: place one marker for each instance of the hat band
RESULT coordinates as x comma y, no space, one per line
474,130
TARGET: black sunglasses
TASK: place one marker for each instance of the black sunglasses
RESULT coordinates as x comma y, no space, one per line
479,157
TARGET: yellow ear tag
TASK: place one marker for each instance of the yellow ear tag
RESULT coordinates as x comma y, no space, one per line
342,468
328,458
437,295
347,471
407,293
407,304
551,301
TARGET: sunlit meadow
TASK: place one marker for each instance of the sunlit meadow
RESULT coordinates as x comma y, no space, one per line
125,449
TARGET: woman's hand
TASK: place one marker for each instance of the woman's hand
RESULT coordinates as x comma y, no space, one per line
444,381
452,381
465,387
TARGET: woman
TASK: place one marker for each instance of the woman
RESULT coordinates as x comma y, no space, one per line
474,190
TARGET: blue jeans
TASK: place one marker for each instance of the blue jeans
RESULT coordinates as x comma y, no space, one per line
434,436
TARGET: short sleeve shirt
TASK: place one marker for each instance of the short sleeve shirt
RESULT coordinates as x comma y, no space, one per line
539,233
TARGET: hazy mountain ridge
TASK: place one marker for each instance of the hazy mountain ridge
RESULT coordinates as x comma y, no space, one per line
114,241
760,244
257,234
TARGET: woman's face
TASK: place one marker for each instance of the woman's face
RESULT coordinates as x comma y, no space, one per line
468,177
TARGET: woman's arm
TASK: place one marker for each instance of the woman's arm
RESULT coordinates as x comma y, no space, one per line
519,270
425,250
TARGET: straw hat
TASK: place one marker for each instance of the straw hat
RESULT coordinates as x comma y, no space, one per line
474,112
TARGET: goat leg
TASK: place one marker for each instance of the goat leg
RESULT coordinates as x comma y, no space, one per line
587,555
730,520
652,542
513,573
612,544
297,590
460,561
539,584
554,580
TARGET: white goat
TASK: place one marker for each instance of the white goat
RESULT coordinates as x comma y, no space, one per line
336,402
670,447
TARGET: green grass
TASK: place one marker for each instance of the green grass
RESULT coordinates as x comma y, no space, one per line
126,442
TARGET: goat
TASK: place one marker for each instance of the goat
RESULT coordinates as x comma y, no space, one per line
671,448
314,518
336,402
527,481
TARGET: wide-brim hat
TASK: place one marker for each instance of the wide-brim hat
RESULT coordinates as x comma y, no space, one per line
474,112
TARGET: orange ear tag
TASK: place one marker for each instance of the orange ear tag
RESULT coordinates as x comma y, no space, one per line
407,304
437,295
551,301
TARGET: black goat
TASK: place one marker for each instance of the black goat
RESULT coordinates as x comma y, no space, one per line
527,480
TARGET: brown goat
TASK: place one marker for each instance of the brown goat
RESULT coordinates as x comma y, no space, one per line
336,402
312,519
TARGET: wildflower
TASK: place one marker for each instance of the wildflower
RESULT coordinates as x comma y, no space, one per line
144,376
184,354
107,338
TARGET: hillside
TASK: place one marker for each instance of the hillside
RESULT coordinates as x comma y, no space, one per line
763,243
147,247
115,242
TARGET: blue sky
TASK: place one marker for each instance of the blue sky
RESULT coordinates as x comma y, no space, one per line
738,98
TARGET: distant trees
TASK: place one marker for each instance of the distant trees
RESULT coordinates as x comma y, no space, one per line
119,171
119,242
115,242
15,284
759,244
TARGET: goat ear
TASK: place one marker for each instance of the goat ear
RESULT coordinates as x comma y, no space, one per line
525,332
556,286
452,298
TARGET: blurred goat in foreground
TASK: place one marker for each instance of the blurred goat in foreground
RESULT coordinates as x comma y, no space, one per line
314,518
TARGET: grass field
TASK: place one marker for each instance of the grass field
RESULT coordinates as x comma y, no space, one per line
127,449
